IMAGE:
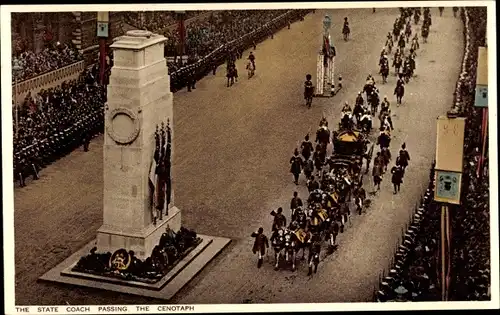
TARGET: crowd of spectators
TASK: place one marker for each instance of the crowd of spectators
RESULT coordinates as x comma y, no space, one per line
471,222
56,109
206,34
416,272
51,123
156,20
50,58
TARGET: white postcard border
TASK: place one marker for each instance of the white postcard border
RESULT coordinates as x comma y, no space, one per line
7,163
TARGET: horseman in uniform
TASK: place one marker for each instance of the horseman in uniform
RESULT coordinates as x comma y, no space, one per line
251,57
359,99
279,221
358,111
402,43
366,121
346,109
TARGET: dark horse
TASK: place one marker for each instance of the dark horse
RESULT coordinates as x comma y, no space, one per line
384,71
232,75
425,33
323,135
398,61
399,91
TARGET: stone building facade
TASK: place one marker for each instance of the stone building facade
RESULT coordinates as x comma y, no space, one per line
34,31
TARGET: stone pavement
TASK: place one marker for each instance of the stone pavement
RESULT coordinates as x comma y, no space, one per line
232,151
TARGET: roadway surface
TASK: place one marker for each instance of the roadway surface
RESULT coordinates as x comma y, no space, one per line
231,169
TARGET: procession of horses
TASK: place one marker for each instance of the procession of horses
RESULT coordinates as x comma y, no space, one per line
328,208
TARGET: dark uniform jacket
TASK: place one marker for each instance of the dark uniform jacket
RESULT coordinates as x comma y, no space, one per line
260,244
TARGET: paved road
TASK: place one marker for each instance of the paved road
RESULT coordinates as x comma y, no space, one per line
232,151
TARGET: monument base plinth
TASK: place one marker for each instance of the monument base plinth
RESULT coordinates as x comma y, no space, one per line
183,272
141,242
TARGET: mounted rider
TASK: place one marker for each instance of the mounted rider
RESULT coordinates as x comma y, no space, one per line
414,42
366,120
385,105
346,109
383,58
400,82
359,99
251,57
358,110
370,79
279,221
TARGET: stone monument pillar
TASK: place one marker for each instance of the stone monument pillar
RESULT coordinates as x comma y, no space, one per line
139,100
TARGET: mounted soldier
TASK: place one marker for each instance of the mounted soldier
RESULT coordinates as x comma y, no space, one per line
323,133
365,122
374,101
384,68
359,99
389,42
251,58
384,139
399,91
358,111
346,121
408,31
279,221
402,43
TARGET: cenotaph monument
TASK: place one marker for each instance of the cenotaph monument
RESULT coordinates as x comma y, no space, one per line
138,102
140,221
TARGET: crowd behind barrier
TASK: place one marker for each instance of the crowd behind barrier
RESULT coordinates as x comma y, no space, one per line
47,80
53,122
415,272
49,59
195,70
156,20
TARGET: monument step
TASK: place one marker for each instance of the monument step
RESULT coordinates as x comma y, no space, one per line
165,289
153,286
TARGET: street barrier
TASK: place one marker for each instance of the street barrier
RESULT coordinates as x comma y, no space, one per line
46,80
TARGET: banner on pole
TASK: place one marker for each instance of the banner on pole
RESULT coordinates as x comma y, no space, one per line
481,97
102,24
448,187
450,144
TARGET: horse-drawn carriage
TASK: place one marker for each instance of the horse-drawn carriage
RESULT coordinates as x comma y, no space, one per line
351,147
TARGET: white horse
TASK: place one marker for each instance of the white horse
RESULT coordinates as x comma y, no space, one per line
251,69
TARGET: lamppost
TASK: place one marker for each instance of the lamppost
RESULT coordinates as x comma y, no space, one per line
182,32
16,68
102,34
